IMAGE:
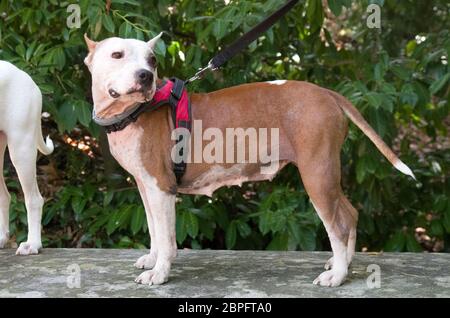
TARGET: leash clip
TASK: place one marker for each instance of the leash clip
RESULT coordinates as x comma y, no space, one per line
201,73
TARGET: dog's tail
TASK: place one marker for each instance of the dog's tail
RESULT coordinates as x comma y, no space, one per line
46,147
356,117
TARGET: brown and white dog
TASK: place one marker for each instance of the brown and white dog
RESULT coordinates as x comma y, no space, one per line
312,127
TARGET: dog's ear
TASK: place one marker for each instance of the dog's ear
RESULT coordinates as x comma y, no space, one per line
153,41
90,44
91,47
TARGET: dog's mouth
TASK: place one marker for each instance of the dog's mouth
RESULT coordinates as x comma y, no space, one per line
145,92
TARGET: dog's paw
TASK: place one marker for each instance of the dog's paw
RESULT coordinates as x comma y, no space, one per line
153,277
331,278
146,261
26,248
4,238
329,264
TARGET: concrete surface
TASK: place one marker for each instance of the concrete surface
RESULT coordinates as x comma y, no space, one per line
110,273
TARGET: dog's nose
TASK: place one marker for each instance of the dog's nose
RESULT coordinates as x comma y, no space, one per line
144,77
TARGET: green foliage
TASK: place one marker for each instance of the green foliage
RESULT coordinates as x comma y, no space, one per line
398,77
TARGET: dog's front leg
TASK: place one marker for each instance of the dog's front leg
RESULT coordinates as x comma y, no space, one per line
147,261
162,207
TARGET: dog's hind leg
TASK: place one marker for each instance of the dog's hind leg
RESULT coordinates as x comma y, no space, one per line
338,216
318,159
147,261
23,154
5,198
321,180
352,236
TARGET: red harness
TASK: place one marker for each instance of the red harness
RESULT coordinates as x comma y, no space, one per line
174,94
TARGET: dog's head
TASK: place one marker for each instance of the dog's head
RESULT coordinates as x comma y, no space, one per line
123,73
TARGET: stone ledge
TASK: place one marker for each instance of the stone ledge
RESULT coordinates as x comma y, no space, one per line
207,273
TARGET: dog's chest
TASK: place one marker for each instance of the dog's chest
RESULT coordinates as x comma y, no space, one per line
125,147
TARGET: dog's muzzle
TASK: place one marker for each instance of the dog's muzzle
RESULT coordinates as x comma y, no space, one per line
144,77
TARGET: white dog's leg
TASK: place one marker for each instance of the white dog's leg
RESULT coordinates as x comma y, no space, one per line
336,275
162,206
147,261
350,250
23,155
5,198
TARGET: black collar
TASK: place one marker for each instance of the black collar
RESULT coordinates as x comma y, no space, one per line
119,122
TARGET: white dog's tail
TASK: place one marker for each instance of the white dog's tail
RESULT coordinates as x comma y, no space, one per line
46,147
356,117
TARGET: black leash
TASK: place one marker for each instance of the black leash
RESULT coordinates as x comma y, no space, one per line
244,41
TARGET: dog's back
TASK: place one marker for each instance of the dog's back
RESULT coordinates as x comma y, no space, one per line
20,97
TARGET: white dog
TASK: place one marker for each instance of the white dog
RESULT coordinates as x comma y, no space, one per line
20,130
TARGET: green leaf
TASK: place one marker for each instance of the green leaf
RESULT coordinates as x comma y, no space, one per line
294,230
230,235
160,48
118,219
410,47
335,7
244,229
137,220
412,245
439,83
265,221
207,228
113,223
109,195
108,23
307,239
59,58
219,29
434,56
436,228
408,96
181,231
401,72
374,99
83,110
279,243
66,116
314,13
378,72
174,48
132,2
78,204
396,243
361,169
192,224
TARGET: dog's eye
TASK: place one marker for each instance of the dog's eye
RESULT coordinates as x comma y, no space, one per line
152,61
117,55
